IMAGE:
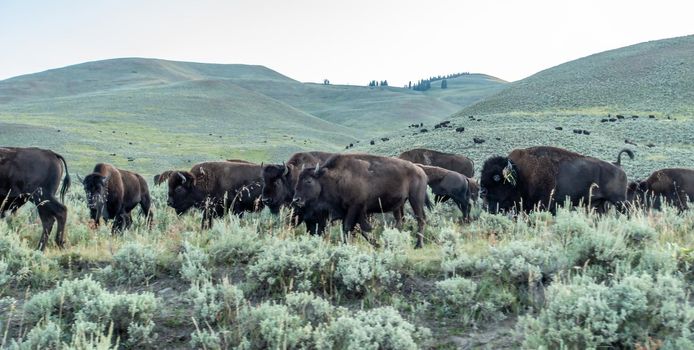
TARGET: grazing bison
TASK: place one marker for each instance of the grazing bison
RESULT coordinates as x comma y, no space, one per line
215,188
447,184
455,162
546,176
33,175
674,185
279,182
355,185
113,193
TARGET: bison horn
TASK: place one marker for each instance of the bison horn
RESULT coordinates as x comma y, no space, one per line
79,178
286,170
183,178
317,167
508,174
261,164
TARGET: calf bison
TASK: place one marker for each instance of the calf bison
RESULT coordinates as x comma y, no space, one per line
675,186
113,193
33,175
354,186
215,188
455,162
546,176
447,184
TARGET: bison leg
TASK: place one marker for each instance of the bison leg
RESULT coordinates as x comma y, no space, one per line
316,227
350,220
398,214
50,211
417,205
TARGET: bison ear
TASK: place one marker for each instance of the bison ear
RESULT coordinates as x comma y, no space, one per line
497,177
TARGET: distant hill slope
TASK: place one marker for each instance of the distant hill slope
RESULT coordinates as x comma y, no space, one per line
656,76
163,113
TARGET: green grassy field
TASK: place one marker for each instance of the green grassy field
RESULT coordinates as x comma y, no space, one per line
166,114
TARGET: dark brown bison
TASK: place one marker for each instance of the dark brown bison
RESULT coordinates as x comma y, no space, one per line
355,185
447,184
546,176
113,193
164,176
33,175
455,162
279,181
215,188
674,186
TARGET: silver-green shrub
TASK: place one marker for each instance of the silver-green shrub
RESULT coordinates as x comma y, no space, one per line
23,266
583,314
134,263
234,244
291,265
84,303
194,263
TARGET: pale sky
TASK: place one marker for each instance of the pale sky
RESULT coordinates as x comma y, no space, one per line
347,41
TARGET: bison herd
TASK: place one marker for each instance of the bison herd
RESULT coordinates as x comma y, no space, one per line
320,187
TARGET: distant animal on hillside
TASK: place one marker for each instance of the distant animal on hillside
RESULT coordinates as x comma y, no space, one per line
216,188
450,161
447,184
355,185
547,176
33,175
675,186
113,193
477,140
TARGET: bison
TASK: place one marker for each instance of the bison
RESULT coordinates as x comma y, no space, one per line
164,177
447,184
279,182
673,185
113,193
355,185
215,188
33,175
545,176
455,162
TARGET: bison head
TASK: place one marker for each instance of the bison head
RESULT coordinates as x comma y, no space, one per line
277,186
474,189
499,184
182,191
96,189
637,192
308,188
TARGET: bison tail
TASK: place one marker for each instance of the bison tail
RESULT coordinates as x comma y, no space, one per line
66,181
619,156
428,202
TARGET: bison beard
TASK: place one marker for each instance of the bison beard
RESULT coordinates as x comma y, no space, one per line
353,186
545,176
33,175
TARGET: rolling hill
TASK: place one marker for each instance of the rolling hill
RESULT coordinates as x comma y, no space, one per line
151,114
651,77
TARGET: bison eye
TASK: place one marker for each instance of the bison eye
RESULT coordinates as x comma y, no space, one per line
497,178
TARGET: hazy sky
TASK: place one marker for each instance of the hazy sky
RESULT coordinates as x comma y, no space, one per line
347,41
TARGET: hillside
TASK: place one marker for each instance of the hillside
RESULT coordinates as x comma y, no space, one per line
162,113
651,77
